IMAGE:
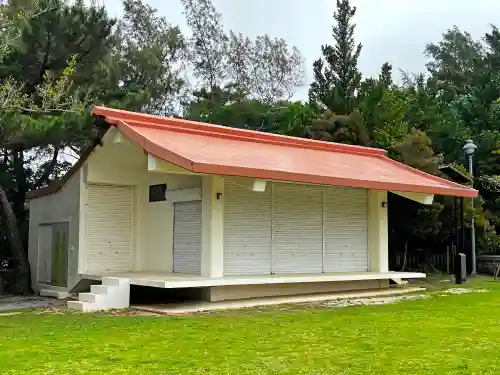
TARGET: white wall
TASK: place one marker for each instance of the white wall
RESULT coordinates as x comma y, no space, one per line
63,206
155,222
125,163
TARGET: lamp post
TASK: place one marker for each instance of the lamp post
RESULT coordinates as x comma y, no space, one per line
469,149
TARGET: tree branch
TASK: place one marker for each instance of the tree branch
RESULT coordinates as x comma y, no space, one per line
44,178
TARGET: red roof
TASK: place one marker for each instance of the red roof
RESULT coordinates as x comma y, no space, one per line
213,149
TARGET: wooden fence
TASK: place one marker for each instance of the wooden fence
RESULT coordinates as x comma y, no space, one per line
423,261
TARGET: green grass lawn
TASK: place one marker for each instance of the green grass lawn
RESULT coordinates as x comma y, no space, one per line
458,334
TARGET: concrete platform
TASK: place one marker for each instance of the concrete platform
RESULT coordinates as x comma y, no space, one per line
54,293
174,280
202,306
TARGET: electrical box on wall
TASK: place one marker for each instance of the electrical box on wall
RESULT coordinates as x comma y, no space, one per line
157,193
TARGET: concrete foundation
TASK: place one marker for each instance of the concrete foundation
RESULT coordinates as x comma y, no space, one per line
239,292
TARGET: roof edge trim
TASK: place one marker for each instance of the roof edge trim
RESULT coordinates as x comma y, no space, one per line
430,176
459,190
114,116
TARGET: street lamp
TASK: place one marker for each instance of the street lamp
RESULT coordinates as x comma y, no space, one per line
469,149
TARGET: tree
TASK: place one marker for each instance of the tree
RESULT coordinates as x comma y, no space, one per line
454,61
265,69
408,220
207,44
147,64
336,74
384,109
48,41
385,77
59,35
285,118
39,105
348,129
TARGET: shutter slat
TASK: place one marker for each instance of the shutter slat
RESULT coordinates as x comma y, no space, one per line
247,231
109,228
187,237
298,229
346,227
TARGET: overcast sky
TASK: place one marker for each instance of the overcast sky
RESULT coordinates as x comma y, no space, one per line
390,30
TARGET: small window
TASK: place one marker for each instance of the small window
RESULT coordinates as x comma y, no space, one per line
157,193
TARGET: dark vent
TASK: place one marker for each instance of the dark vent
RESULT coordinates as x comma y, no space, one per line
157,193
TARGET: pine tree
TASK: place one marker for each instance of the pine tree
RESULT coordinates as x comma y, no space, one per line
385,76
50,51
336,74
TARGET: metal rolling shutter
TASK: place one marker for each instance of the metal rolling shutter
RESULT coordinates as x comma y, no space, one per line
298,228
247,231
346,229
109,228
187,237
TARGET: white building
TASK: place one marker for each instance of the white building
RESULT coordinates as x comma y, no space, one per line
170,203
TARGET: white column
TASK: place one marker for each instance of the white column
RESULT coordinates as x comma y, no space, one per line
378,231
212,224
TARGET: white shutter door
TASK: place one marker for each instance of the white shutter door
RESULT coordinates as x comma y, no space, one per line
247,231
187,237
109,228
298,228
346,229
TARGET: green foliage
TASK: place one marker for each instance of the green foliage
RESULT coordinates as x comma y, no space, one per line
268,70
283,118
265,68
59,32
384,108
385,77
208,42
145,69
349,129
416,151
336,74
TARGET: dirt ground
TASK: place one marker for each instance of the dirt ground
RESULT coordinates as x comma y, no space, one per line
13,303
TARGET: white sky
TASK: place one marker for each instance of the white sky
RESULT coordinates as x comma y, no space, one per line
390,30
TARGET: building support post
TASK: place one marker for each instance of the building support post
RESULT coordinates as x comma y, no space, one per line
212,226
378,236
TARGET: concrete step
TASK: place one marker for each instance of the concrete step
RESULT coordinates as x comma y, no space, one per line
110,281
89,297
75,305
54,294
100,289
113,294
83,306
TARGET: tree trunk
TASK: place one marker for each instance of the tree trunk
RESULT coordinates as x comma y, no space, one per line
21,283
18,198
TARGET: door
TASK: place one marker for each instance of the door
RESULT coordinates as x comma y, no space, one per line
247,231
187,237
109,228
53,250
60,248
346,230
298,228
45,254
